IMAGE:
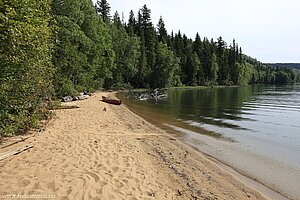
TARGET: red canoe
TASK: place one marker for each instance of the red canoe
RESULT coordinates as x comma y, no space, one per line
111,101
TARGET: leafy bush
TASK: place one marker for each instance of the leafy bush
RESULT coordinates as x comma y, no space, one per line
25,64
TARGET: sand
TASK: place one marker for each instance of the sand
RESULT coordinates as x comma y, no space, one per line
90,153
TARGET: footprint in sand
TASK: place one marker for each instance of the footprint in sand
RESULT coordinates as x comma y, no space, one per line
99,166
52,186
37,186
115,169
95,176
24,182
69,190
102,183
118,184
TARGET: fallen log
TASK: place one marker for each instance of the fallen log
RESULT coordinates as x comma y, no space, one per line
15,142
15,152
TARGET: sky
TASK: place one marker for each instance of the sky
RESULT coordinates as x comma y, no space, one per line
268,30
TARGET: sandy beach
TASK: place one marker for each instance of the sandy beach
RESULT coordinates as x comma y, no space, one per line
101,151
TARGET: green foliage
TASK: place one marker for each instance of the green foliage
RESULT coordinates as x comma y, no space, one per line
66,89
167,65
269,74
214,68
25,63
127,50
84,54
245,72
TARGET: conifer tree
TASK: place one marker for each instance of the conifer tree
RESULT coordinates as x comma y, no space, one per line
171,41
197,46
178,44
131,24
149,38
224,71
198,49
162,34
103,9
206,61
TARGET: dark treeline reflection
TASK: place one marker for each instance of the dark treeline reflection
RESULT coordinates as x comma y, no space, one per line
219,106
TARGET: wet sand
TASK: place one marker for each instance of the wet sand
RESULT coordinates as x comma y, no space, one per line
96,153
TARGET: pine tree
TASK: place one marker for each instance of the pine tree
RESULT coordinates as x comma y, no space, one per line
197,46
185,59
146,18
171,41
103,9
149,38
240,55
224,71
198,49
162,34
178,44
143,70
208,50
138,28
232,61
131,24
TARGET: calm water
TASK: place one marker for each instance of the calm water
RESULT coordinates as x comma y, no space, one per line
262,122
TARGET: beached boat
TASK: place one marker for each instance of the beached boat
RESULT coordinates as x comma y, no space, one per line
111,101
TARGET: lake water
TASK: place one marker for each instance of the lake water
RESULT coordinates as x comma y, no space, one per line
258,128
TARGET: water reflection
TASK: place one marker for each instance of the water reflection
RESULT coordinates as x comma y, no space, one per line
226,106
262,120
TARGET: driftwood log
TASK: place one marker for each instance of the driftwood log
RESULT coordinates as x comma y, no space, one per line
15,152
15,142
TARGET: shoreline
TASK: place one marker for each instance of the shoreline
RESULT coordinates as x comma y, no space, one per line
265,190
89,153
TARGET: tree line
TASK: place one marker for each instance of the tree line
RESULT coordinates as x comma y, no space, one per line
54,48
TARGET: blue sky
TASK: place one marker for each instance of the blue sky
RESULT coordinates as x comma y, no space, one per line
266,29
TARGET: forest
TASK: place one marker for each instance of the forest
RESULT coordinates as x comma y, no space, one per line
286,65
53,48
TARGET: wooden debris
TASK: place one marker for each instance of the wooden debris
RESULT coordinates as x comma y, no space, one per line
21,140
69,107
15,152
54,105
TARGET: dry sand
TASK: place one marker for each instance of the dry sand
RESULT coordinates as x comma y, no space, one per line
89,153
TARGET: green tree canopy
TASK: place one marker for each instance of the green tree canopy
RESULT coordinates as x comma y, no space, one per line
25,63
